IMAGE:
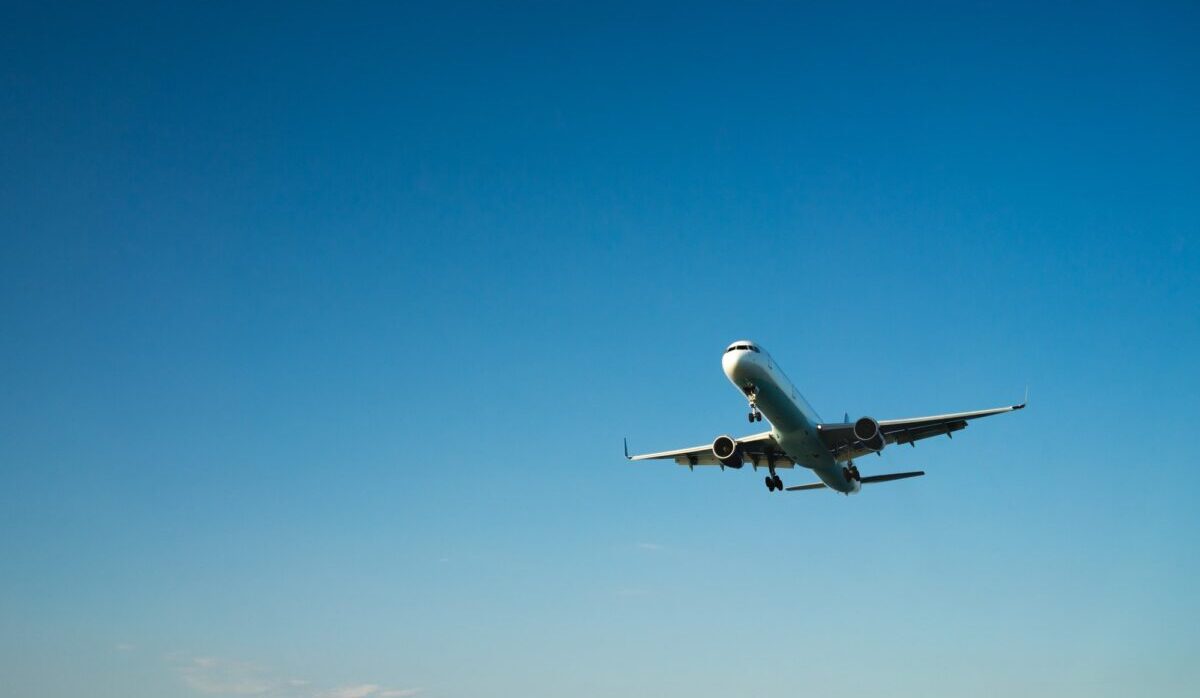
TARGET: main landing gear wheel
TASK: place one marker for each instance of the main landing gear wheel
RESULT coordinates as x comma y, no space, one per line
755,415
778,483
770,483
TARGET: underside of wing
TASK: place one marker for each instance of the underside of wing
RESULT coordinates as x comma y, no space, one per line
755,449
841,440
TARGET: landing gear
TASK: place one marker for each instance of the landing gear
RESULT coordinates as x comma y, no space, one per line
773,482
850,471
751,392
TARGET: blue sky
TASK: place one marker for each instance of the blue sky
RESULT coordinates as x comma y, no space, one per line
322,326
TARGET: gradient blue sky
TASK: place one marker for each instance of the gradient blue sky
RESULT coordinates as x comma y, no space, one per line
321,326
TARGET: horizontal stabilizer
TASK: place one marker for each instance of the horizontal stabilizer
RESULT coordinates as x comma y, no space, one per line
891,476
866,480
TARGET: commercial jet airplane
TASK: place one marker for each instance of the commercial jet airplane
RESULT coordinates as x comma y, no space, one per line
797,435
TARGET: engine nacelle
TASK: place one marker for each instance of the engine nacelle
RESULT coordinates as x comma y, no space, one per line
728,451
866,430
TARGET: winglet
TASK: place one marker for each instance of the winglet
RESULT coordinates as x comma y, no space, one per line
626,440
1024,402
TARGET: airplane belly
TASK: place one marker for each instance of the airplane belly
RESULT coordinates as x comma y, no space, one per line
835,480
803,448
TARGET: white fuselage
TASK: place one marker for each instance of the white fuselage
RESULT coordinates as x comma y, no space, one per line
793,421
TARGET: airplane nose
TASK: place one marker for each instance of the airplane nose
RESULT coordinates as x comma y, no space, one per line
735,364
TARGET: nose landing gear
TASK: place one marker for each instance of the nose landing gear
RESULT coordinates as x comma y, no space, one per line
752,394
850,471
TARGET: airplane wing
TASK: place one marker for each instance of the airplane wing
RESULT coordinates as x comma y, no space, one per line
839,437
757,449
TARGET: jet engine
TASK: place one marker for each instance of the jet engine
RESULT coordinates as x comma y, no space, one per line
866,430
728,451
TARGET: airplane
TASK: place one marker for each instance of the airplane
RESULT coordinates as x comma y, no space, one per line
797,435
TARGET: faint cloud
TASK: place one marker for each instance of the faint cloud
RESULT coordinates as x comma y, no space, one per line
369,690
124,647
649,546
212,676
361,691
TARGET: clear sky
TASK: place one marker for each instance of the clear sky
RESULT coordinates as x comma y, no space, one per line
321,327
